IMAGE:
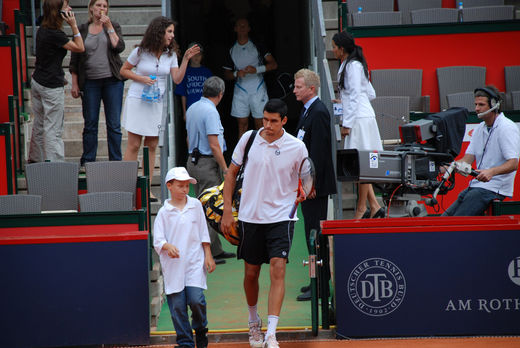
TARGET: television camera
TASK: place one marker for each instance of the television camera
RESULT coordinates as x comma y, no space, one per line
411,170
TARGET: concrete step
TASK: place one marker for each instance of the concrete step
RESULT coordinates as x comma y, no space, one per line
129,30
74,130
124,16
130,43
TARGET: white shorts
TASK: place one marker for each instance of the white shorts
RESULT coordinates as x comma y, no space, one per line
245,103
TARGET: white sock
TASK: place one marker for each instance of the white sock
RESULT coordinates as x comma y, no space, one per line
272,323
253,314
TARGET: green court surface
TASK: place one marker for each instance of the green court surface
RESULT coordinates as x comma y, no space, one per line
227,308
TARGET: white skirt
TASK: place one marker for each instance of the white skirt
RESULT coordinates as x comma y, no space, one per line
364,135
142,118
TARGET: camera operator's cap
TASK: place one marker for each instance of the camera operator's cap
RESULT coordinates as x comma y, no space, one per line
179,173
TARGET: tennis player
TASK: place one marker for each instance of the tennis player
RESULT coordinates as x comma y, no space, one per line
268,194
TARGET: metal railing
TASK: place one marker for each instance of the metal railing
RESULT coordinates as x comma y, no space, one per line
327,90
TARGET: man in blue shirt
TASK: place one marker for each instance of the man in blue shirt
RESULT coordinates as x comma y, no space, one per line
206,145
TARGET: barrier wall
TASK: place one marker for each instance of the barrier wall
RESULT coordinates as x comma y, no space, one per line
427,47
74,279
438,276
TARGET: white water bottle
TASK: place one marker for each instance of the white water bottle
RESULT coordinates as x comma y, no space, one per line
359,9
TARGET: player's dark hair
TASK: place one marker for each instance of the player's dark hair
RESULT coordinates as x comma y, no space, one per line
276,106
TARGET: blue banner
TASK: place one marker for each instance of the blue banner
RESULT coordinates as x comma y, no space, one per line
428,283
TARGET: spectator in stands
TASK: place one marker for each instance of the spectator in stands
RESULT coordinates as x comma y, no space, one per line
495,148
48,79
206,145
190,89
358,123
96,77
155,56
181,240
246,63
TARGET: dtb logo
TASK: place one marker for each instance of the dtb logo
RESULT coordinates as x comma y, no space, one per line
376,287
514,270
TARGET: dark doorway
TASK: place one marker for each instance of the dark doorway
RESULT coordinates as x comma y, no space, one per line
282,26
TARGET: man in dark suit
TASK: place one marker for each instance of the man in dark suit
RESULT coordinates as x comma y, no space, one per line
314,130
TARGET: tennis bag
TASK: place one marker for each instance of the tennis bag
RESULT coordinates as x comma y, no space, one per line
212,200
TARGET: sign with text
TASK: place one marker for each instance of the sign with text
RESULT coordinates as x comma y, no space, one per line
428,283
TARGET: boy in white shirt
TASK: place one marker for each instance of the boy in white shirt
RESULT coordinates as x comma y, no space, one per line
182,241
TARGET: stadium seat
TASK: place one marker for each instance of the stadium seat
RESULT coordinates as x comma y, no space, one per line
488,13
435,15
376,18
20,204
55,182
112,176
106,201
401,82
391,112
406,6
462,99
478,3
515,96
512,76
368,6
455,79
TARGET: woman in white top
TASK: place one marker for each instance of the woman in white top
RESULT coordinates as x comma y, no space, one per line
358,124
155,55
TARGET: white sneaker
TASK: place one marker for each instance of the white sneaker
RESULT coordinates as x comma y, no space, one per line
256,338
271,342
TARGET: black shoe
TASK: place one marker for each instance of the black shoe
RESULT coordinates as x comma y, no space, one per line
367,214
379,214
201,339
154,199
219,261
305,288
306,296
225,255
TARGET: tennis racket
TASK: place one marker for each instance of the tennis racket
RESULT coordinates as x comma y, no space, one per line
306,179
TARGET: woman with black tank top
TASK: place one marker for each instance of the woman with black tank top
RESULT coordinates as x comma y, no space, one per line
48,79
96,77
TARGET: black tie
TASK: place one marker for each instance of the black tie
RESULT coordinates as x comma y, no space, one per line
303,113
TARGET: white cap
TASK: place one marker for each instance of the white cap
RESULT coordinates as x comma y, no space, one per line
179,173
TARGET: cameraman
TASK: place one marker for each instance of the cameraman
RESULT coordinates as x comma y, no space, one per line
206,145
495,147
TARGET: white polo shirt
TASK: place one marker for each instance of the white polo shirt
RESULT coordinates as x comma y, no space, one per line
491,148
186,229
270,177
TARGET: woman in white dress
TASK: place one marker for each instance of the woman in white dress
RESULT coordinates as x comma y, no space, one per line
155,55
359,124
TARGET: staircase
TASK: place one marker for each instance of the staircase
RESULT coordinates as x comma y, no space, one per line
133,16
